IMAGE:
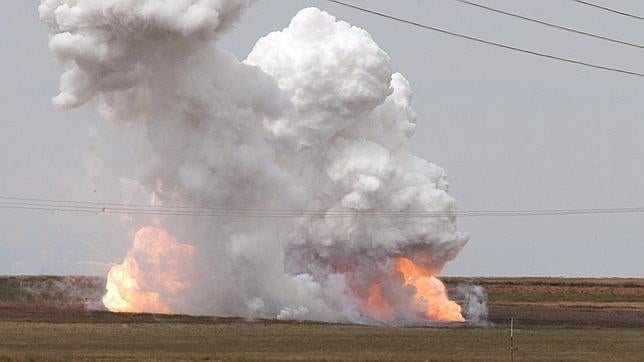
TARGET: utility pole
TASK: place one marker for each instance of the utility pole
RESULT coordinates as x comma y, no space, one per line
512,347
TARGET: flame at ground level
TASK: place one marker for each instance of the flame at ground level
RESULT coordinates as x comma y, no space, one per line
156,273
153,274
429,300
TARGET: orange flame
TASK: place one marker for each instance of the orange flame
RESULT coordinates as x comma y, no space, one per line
430,300
377,304
153,273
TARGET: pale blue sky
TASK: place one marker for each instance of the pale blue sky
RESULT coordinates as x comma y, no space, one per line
512,131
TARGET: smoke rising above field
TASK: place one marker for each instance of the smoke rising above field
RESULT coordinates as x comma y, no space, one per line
313,119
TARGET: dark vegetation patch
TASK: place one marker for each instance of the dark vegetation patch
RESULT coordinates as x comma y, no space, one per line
60,319
608,302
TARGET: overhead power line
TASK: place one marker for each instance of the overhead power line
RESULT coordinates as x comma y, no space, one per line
609,9
488,42
68,206
550,24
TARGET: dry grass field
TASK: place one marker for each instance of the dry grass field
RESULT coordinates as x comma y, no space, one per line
45,318
605,302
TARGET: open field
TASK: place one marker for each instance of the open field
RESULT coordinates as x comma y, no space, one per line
607,302
44,318
241,340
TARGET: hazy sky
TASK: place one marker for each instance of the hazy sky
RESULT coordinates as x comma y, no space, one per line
512,131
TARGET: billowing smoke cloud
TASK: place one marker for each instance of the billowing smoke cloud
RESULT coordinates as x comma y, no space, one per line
313,119
473,300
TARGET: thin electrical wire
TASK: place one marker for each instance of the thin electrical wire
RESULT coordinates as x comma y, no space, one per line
488,42
489,8
140,207
609,9
172,208
276,213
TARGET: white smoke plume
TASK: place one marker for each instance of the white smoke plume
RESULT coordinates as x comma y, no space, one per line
313,119
473,300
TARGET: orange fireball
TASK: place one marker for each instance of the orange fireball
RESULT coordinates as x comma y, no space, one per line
429,301
153,274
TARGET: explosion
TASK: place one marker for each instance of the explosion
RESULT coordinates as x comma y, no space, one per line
299,154
424,297
430,297
152,272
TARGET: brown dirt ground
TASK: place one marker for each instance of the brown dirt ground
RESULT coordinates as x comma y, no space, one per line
608,302
46,318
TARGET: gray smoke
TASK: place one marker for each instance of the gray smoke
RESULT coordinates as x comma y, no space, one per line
313,119
473,300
